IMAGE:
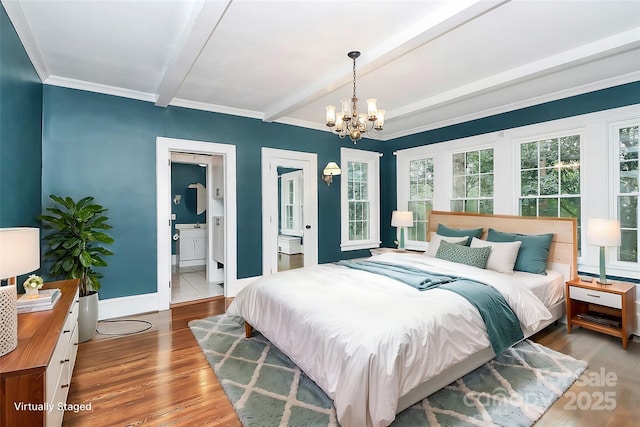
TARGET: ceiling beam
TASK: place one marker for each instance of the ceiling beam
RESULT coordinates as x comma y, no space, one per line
205,18
432,26
611,45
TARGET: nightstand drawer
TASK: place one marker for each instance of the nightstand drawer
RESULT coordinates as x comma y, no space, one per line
596,297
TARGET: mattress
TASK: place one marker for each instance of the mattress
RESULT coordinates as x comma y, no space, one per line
363,337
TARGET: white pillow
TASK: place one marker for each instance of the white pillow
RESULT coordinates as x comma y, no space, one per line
434,244
503,254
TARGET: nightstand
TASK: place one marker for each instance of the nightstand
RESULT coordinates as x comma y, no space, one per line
603,308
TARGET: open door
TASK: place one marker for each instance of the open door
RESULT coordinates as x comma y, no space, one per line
290,207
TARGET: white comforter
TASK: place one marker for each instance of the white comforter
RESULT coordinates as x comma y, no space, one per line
366,339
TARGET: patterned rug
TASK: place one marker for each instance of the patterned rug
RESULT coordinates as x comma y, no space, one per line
267,389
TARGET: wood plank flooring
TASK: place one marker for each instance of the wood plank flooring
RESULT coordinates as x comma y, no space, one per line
161,378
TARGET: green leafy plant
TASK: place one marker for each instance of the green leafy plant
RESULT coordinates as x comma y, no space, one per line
75,245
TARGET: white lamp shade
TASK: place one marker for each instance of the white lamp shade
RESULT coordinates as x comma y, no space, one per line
19,251
603,232
332,169
402,219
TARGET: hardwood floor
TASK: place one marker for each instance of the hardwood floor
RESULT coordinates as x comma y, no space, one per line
161,378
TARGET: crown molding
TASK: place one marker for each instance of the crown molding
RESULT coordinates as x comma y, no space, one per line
19,20
99,88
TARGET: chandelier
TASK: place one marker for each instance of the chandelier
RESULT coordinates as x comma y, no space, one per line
349,121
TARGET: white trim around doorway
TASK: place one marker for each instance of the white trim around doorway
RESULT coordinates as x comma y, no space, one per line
164,147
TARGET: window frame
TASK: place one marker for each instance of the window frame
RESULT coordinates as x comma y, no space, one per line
372,159
297,207
536,137
613,130
465,151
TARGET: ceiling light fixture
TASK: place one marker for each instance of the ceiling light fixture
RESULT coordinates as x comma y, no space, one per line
349,122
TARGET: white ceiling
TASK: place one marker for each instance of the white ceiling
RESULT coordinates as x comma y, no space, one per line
429,63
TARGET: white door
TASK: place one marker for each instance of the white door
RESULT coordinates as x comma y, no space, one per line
307,163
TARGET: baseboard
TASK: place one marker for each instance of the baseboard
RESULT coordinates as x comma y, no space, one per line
127,306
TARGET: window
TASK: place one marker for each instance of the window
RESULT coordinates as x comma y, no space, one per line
291,203
420,197
627,189
360,199
472,176
550,178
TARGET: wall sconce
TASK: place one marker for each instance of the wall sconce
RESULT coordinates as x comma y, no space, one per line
401,219
19,254
177,198
331,170
603,233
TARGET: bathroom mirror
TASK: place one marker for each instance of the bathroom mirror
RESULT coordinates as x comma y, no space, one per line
196,199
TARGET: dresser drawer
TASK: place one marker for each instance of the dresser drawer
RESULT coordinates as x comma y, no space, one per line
596,297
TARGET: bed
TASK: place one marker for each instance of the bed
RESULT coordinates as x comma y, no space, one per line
375,345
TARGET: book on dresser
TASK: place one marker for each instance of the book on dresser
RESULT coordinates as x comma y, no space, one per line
45,300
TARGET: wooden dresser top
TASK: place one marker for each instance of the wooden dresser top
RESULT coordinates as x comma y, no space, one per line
38,333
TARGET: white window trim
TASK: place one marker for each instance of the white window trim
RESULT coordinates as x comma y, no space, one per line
372,158
449,168
612,259
533,137
296,177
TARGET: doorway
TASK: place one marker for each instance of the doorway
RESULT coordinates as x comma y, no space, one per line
290,210
164,201
196,214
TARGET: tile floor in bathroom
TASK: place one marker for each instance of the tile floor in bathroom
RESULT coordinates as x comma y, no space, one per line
192,285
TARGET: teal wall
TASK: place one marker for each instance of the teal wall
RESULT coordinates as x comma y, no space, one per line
20,131
104,146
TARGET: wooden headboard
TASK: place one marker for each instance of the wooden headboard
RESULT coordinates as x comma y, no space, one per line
564,247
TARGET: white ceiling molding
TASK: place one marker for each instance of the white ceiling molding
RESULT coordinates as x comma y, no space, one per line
99,88
195,37
21,24
195,105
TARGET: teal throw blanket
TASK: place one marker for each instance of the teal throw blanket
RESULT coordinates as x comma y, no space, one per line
503,326
419,279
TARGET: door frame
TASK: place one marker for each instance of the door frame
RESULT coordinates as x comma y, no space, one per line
164,147
271,159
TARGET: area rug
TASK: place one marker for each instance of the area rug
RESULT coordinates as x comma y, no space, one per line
267,389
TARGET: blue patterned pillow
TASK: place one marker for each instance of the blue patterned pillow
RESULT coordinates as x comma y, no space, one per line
476,257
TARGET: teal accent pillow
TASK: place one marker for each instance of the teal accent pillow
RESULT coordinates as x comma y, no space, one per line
533,253
476,257
470,233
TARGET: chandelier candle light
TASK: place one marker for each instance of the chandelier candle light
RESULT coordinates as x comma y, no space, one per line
348,121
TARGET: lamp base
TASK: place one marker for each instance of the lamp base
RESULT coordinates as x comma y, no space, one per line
8,320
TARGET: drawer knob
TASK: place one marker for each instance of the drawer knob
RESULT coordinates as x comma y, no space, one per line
64,386
592,295
66,332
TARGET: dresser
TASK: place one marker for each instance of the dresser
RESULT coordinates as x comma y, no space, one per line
35,377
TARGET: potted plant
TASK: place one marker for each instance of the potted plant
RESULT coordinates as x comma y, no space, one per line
75,246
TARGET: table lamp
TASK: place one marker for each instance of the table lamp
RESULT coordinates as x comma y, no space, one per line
401,219
603,233
19,254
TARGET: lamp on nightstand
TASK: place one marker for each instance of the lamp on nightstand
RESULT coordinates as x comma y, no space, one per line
603,233
401,219
19,254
